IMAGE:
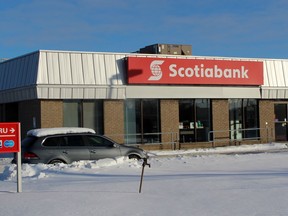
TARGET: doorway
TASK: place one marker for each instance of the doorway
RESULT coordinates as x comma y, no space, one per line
281,126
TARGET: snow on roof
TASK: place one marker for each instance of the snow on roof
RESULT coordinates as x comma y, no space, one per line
60,130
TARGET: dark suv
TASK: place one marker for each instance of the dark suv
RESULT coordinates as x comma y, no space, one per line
65,145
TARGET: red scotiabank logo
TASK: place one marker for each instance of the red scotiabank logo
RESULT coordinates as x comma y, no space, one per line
144,70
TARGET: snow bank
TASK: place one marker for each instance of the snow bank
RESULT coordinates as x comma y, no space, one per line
226,150
39,171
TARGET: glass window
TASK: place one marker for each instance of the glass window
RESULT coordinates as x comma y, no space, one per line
93,115
53,141
195,118
142,121
280,112
71,114
74,140
99,141
203,119
236,118
244,121
84,114
281,126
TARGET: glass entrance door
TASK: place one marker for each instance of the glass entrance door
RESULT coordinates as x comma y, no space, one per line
236,117
281,127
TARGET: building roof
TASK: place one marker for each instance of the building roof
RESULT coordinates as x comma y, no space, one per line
47,74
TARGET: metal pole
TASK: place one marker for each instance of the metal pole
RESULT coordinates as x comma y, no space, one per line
140,187
142,173
19,164
19,174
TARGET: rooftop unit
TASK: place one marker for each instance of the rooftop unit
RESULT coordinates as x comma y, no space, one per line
170,49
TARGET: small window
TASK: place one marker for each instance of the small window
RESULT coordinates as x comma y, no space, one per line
99,141
53,141
74,140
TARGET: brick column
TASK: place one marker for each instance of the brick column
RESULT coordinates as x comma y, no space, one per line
220,119
51,113
266,115
169,119
114,119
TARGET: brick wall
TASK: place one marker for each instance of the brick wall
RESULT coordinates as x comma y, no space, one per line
169,119
266,114
220,119
114,119
51,113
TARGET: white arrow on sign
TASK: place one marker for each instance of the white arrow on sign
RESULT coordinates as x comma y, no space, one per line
12,130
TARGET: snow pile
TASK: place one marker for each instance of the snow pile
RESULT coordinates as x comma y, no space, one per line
39,171
60,130
227,149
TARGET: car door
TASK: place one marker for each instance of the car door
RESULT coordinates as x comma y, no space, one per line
74,148
100,147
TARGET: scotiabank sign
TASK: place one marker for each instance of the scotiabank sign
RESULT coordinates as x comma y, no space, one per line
144,70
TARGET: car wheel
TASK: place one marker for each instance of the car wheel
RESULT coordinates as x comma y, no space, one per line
134,157
56,161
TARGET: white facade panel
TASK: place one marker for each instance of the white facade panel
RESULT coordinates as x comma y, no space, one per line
43,69
285,72
65,68
191,92
66,93
280,93
54,93
275,79
42,93
53,68
101,93
99,67
265,75
279,73
76,75
89,93
110,68
271,75
88,69
76,69
121,66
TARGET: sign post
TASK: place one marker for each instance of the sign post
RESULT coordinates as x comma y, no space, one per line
10,142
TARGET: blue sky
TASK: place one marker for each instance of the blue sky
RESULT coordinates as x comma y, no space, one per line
236,28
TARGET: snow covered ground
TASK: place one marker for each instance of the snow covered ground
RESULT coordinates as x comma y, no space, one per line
221,181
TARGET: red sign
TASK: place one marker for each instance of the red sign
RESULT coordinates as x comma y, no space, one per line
146,70
10,137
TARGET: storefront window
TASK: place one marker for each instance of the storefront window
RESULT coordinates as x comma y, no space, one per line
71,114
281,122
195,120
243,115
84,114
142,121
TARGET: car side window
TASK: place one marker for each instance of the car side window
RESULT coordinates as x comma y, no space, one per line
99,141
74,140
53,141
